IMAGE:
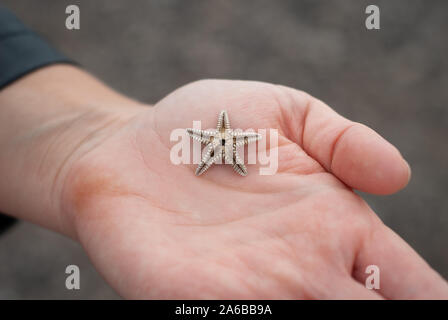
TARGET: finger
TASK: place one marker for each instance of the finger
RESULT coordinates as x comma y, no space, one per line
354,153
403,274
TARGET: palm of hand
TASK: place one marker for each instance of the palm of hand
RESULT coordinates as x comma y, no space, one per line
154,230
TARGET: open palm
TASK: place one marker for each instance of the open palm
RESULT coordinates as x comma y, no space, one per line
155,230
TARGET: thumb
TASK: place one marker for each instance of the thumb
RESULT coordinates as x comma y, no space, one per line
367,162
354,153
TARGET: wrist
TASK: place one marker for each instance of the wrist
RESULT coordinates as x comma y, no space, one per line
49,119
68,145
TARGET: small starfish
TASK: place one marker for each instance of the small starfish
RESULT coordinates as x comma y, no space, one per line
222,143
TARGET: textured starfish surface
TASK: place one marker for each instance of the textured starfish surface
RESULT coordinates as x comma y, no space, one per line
222,143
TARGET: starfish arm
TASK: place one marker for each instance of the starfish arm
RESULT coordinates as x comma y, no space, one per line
212,154
243,138
203,136
238,164
223,121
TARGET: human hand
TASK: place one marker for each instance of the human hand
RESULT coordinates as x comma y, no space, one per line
154,230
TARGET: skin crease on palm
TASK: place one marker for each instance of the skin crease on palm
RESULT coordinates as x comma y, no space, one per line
155,230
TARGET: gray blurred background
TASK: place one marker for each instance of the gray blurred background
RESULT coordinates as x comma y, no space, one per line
395,80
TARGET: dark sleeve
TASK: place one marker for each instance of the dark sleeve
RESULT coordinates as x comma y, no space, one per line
21,51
